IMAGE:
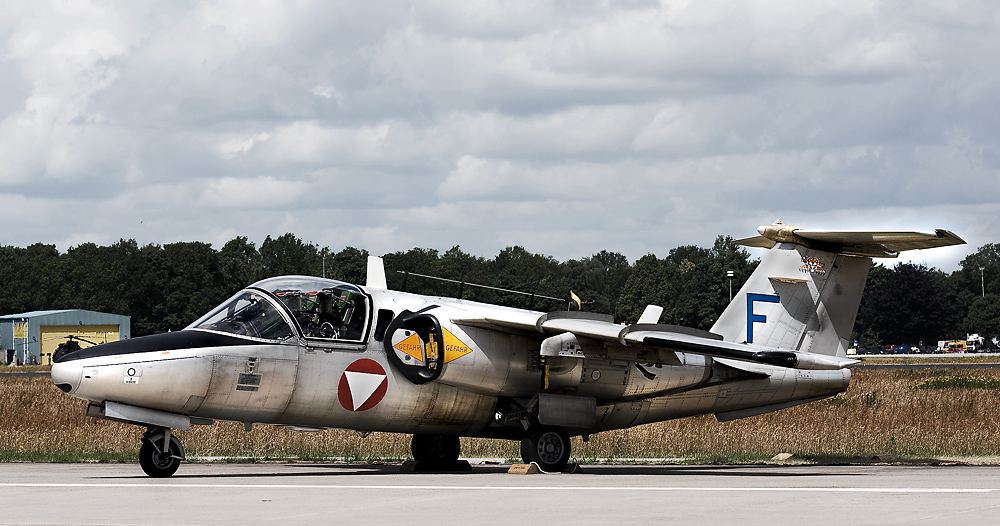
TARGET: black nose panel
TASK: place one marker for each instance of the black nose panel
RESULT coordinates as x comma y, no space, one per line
159,342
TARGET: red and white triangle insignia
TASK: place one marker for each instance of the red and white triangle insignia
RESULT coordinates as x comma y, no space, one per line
362,386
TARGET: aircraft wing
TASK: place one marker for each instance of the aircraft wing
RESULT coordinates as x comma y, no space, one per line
738,351
567,328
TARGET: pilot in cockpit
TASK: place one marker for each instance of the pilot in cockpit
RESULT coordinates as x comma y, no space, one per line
330,314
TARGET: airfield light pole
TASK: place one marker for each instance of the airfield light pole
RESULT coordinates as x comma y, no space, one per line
730,274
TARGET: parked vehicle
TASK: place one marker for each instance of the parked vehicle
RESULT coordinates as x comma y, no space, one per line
953,346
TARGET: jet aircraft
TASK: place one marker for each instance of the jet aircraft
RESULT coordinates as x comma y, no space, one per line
309,354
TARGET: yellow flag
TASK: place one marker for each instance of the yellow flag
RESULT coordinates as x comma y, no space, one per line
576,298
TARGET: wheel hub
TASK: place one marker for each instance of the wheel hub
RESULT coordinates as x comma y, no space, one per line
550,447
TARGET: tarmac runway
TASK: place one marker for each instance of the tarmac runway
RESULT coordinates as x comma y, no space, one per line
381,494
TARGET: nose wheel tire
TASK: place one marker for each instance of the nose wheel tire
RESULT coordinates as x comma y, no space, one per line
160,464
548,447
435,449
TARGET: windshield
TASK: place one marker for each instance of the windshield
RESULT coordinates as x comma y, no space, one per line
323,308
246,314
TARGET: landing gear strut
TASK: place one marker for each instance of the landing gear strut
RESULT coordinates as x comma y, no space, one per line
161,453
548,447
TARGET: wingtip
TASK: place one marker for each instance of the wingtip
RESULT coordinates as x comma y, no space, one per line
949,235
755,241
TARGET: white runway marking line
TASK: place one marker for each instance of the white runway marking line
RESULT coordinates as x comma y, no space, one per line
495,488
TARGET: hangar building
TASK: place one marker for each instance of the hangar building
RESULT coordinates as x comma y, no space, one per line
32,337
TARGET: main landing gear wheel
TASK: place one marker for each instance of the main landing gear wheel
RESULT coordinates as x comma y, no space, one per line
156,461
548,447
435,449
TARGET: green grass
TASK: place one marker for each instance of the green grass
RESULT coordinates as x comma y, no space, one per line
959,382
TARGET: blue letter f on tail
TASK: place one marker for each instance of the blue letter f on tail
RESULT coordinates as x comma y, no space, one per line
757,318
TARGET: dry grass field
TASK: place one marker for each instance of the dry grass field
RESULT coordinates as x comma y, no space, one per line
922,358
880,414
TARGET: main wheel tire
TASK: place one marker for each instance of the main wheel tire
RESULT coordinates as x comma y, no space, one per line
435,449
160,465
548,447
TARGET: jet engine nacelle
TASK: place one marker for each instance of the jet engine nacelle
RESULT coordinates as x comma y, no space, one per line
586,367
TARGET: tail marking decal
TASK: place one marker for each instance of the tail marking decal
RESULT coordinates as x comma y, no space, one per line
812,264
757,318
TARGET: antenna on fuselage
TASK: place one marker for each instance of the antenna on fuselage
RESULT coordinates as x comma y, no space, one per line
376,273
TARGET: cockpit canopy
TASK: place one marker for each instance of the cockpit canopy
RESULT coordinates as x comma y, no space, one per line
278,308
248,313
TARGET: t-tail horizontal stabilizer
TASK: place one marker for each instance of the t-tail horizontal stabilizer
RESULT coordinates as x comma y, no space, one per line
875,244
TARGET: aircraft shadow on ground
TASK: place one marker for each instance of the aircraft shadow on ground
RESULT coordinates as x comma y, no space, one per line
341,470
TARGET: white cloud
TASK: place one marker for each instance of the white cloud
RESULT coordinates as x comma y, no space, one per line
260,192
235,145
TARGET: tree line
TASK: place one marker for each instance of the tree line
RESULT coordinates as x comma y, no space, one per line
166,287
913,304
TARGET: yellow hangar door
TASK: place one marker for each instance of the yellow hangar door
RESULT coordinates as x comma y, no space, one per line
53,335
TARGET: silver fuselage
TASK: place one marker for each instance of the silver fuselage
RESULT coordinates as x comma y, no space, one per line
316,383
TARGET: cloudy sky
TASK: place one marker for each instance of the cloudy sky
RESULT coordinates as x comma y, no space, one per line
567,127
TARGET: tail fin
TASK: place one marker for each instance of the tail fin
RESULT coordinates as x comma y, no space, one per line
806,292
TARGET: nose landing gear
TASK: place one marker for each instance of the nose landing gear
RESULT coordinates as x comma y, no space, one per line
161,453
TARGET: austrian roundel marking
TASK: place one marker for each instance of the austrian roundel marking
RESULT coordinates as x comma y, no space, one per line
362,386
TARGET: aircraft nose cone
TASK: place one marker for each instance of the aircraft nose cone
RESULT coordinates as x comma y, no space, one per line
67,375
